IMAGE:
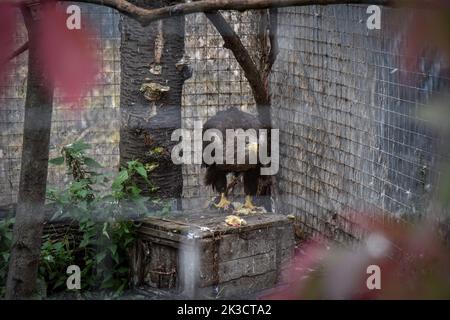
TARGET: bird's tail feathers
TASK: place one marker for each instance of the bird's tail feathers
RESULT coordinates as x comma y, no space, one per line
210,176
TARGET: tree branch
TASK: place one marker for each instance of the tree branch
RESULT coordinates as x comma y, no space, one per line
256,79
19,51
233,42
267,41
142,15
273,41
146,16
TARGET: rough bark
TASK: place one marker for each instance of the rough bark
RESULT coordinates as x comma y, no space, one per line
268,44
26,247
148,123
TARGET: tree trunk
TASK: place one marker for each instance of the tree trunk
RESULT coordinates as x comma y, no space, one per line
150,61
26,247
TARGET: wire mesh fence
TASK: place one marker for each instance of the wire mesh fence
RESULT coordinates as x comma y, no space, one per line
94,119
352,138
217,83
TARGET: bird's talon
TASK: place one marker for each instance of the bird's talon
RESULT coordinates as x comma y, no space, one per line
224,203
249,204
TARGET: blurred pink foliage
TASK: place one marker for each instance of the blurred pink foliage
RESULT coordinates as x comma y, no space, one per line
414,260
7,28
427,30
414,264
67,55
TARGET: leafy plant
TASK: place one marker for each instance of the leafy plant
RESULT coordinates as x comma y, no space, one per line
106,221
6,230
56,256
76,160
124,185
112,258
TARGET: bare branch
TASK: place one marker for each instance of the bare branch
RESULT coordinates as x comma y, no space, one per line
251,71
142,15
273,30
16,53
146,16
262,40
19,51
233,42
267,41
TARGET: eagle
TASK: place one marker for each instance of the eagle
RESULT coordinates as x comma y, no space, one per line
216,173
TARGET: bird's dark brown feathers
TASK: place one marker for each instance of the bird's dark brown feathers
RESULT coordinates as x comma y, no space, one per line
232,118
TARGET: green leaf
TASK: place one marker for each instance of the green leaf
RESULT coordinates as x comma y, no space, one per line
78,146
58,246
5,256
57,161
158,150
82,193
121,178
128,242
92,163
134,191
141,171
85,242
123,270
113,248
59,283
151,166
8,236
100,256
108,284
104,231
115,257
49,258
120,289
132,164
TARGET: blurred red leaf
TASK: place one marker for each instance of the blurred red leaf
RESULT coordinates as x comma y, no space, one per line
296,275
413,260
7,28
67,55
427,36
